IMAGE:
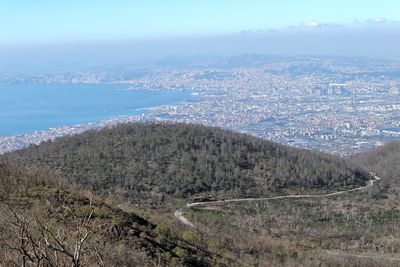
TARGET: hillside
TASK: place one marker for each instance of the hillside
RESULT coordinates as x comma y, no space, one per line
44,221
384,160
42,198
183,160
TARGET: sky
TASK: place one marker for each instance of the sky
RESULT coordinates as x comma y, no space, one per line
155,28
49,21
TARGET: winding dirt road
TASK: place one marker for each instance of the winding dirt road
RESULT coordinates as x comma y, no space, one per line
181,218
179,213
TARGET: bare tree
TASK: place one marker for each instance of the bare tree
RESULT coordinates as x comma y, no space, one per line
40,243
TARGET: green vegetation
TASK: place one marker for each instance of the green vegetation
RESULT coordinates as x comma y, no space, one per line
182,160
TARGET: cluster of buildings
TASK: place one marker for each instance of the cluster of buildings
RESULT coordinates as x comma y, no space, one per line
337,106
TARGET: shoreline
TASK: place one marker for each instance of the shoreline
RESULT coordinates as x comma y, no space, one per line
16,142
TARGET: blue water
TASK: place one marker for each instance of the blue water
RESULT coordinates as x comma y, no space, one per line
33,107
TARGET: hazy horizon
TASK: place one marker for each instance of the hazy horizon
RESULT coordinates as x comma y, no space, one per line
44,36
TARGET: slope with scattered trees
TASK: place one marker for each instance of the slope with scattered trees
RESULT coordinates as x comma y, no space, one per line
184,160
384,160
45,221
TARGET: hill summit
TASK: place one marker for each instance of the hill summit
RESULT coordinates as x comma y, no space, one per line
183,160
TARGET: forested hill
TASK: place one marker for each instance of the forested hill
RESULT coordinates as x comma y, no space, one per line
385,161
184,160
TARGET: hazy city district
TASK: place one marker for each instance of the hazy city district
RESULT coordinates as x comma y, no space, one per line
337,105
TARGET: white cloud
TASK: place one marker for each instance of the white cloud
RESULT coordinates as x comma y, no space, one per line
311,24
378,20
317,24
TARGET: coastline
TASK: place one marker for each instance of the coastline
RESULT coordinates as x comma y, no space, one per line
11,143
20,141
138,112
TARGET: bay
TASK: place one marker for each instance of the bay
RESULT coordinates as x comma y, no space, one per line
25,108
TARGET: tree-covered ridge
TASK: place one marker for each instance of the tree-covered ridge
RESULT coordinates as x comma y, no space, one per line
384,160
185,160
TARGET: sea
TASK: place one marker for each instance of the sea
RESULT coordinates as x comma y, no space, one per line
26,108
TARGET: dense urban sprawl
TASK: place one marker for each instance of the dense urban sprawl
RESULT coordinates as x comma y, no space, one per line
337,105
